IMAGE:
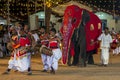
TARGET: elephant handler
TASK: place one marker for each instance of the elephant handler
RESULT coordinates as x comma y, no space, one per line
106,40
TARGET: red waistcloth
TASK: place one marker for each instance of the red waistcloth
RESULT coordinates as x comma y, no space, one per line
53,44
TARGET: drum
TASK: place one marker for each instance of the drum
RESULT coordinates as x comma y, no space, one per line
46,50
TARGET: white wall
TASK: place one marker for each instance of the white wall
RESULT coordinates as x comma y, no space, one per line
110,21
33,22
33,19
118,26
3,21
41,15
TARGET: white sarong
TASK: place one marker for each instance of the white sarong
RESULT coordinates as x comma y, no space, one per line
19,63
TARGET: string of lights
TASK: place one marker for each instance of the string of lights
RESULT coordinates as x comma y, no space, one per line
18,9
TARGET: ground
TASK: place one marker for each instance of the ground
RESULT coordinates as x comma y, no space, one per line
91,72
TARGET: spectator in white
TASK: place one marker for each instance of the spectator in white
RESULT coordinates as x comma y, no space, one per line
59,35
35,36
35,40
106,40
113,31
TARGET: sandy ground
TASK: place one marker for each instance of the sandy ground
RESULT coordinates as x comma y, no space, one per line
91,72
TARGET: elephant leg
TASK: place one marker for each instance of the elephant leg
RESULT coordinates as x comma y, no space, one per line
82,46
82,60
90,58
69,60
76,56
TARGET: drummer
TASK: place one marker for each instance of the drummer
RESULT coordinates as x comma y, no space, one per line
54,43
44,41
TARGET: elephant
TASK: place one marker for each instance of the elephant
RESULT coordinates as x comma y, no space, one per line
80,28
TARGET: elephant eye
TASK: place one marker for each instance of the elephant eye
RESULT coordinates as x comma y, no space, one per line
73,20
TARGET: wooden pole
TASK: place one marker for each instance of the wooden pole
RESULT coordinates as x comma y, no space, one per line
28,14
44,10
47,18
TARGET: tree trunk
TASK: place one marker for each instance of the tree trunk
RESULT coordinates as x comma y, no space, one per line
47,17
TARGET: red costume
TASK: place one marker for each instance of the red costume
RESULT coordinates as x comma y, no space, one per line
24,41
93,30
53,44
44,39
75,18
20,59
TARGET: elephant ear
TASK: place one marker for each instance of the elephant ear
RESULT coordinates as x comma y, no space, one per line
71,20
93,30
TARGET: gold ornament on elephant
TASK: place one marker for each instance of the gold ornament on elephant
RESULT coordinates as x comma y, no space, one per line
99,25
91,27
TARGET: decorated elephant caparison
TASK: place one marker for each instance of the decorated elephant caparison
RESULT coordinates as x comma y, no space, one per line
80,28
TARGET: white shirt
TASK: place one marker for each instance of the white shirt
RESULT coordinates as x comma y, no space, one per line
36,37
105,40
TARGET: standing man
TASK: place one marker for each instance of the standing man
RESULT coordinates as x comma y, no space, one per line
106,40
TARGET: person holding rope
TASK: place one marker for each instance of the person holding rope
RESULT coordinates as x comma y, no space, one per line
105,39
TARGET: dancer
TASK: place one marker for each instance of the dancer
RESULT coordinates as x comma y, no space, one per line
20,57
44,41
54,45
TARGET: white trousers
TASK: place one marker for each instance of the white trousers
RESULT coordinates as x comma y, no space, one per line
45,61
51,61
20,64
57,54
116,51
105,55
